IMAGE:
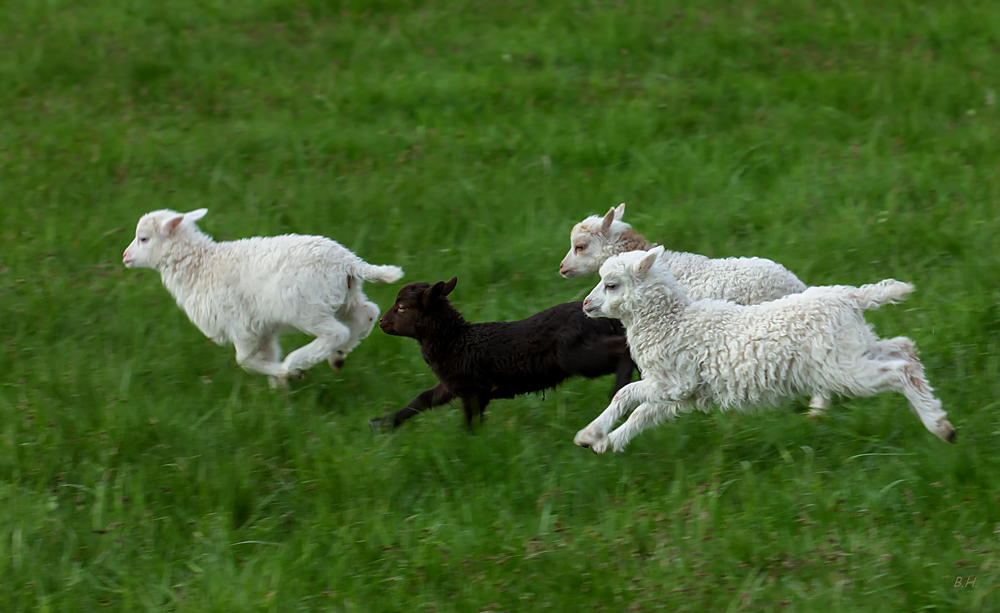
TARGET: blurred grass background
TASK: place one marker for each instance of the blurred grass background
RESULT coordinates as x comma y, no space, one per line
141,469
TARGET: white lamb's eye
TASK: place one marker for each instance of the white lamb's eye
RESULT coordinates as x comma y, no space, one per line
610,286
580,247
143,239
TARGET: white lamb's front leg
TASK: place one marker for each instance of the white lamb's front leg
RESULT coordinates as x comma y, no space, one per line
817,406
595,435
647,415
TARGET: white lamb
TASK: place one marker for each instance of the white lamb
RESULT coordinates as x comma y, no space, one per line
739,280
695,353
247,292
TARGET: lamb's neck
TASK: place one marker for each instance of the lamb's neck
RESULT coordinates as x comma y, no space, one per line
655,312
441,338
629,240
181,270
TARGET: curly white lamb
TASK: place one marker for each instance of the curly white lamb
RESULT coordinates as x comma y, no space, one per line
247,292
739,280
695,353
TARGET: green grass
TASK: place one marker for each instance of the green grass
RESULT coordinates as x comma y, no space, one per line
141,469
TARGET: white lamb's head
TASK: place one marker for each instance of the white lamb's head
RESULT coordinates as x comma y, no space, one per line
153,235
591,243
625,278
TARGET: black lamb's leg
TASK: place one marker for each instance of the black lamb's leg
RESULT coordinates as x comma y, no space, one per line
623,374
434,397
473,406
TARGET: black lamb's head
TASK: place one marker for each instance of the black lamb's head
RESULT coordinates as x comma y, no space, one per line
417,306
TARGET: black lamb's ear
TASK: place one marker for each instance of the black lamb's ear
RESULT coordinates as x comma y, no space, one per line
449,286
431,294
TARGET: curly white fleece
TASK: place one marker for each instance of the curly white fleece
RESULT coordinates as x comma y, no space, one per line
249,291
693,354
741,280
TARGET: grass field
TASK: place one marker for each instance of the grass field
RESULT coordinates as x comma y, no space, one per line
141,469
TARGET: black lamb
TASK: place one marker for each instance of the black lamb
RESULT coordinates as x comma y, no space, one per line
480,362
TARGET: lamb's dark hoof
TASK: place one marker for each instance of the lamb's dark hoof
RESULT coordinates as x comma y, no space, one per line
946,432
377,424
337,364
296,375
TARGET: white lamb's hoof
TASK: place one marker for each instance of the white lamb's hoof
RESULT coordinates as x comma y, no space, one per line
274,382
945,431
815,414
336,361
298,375
589,440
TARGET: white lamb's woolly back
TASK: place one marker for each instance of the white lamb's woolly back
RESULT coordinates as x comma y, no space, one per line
247,291
741,280
699,353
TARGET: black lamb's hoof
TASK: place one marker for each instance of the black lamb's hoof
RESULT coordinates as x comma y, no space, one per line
377,424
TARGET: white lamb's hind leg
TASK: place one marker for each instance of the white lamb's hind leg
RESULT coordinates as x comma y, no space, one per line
646,416
594,436
906,377
329,333
252,357
360,321
898,348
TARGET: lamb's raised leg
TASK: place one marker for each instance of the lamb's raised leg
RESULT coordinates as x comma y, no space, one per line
899,348
360,320
434,397
647,415
252,355
595,435
329,333
907,378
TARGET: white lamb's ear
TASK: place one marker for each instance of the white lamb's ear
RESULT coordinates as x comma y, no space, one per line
620,212
171,224
195,215
608,220
642,268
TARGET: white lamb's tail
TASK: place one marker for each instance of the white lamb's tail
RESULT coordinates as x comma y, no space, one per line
386,274
883,292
